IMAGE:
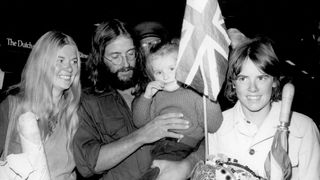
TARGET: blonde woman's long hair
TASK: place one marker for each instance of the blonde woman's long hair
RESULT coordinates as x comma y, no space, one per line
35,88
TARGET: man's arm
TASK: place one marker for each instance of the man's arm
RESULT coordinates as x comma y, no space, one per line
91,154
93,157
113,153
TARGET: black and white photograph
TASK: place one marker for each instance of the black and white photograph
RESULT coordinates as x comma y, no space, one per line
159,90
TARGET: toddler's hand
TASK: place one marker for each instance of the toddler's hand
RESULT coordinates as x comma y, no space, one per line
152,88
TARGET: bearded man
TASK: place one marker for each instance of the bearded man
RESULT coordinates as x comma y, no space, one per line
107,145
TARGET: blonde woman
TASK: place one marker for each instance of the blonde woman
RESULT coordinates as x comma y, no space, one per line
42,115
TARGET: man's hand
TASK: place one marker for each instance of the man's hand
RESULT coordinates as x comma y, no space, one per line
158,127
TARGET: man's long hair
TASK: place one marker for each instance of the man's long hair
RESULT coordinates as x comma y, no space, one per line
100,77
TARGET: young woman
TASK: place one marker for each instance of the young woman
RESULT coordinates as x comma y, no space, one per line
43,111
247,131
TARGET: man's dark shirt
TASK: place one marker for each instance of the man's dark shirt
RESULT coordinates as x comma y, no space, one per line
106,118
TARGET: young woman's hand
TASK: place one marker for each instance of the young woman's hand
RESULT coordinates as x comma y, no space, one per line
28,127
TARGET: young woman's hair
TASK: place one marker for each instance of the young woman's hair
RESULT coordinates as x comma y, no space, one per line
105,34
259,50
35,88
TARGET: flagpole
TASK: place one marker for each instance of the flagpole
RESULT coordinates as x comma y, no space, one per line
203,53
205,127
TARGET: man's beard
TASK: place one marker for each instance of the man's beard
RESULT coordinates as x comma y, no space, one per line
116,83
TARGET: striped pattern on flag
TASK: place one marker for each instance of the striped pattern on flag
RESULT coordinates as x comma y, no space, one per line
278,164
204,48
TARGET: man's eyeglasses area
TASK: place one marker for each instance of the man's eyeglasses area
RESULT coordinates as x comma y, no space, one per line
150,43
117,57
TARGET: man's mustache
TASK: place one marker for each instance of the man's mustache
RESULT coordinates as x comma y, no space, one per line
125,69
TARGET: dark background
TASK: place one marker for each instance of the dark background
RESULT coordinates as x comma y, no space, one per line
291,24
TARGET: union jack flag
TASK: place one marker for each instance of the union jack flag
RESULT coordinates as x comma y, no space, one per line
204,48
